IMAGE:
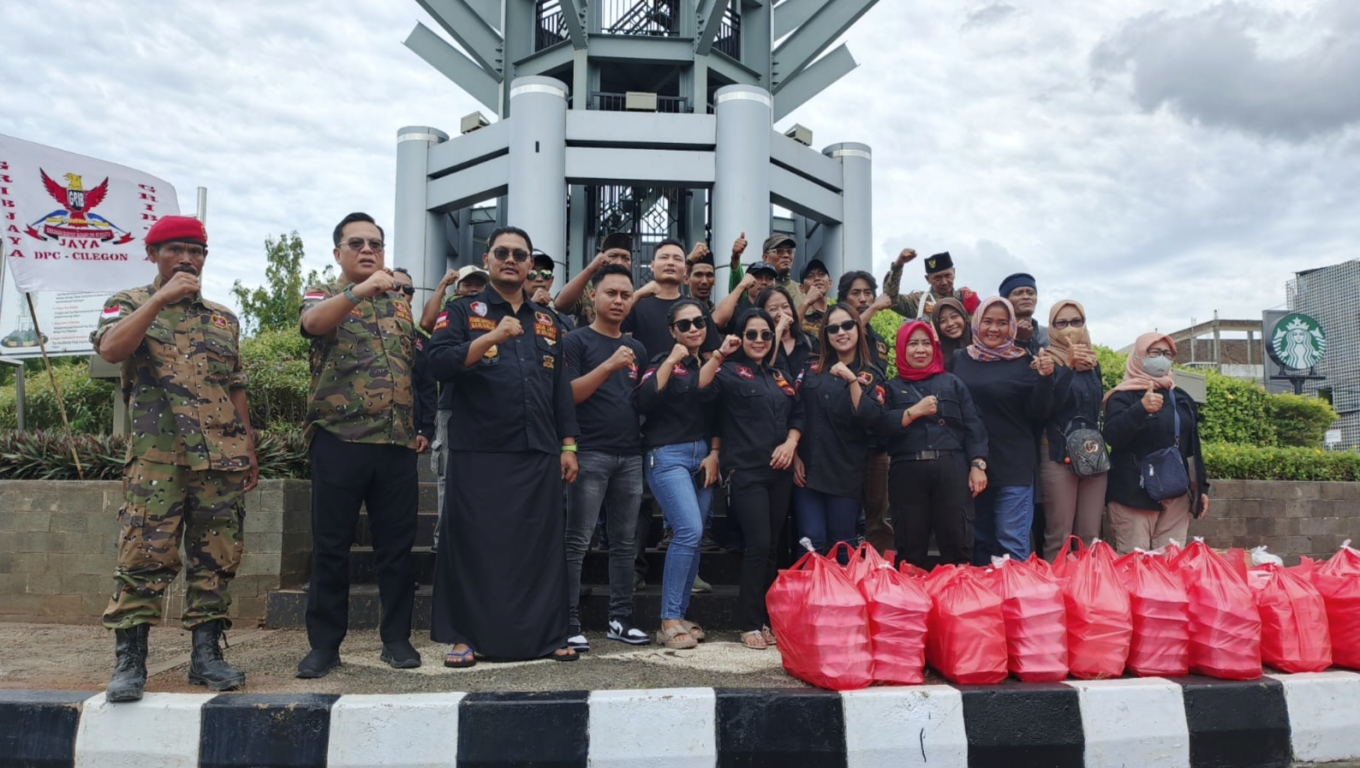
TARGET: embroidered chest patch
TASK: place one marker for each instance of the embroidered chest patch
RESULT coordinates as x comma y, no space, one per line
479,324
219,321
478,308
744,372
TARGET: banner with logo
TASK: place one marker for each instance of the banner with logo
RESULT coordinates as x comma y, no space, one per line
73,223
73,229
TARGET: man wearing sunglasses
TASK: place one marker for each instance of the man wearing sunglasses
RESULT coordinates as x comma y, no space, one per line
363,438
500,584
575,298
540,283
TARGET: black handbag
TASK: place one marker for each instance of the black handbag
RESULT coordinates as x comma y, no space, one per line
1162,473
1086,452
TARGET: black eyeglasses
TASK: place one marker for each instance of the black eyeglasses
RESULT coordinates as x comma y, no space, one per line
409,290
1061,324
519,254
685,325
1161,353
753,335
357,244
540,274
845,327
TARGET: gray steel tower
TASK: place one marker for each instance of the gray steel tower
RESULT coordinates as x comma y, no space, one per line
651,117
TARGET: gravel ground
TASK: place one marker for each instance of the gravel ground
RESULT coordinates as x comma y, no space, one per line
61,657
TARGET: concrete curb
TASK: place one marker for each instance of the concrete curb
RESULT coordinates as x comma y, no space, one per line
1189,722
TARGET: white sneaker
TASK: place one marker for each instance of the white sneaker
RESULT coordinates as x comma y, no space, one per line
626,633
578,643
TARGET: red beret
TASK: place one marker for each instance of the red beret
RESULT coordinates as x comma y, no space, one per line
184,229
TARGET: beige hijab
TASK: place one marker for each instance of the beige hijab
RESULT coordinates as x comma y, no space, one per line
1135,378
1060,340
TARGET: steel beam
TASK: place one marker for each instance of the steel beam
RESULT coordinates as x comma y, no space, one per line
805,161
644,129
546,61
804,197
792,14
481,41
816,35
489,10
733,70
712,23
639,167
464,72
815,78
469,186
574,28
655,50
469,149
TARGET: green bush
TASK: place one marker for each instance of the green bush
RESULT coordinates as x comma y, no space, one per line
1299,420
1230,461
89,402
46,455
276,364
1111,365
886,322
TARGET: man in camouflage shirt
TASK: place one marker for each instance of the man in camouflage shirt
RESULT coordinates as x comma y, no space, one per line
920,305
361,432
191,457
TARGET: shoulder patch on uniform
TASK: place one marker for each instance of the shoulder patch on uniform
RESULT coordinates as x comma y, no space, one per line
676,370
543,318
743,372
865,378
403,310
815,366
879,395
219,321
633,371
782,382
111,312
548,332
548,362
313,296
356,312
442,321
648,373
478,324
478,308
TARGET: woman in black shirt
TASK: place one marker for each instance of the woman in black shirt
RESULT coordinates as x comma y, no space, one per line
938,447
951,326
679,467
1072,504
842,394
792,346
1140,419
1014,394
760,422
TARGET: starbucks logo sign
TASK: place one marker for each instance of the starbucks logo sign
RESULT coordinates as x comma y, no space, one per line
1298,342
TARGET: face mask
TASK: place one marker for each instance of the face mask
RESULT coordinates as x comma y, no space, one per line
1157,367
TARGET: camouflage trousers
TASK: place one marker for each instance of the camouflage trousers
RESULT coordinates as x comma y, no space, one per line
163,503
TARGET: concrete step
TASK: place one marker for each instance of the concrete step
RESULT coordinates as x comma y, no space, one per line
287,608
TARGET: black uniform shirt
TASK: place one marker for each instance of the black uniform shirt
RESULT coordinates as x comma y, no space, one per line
1078,407
956,425
608,422
793,362
648,322
878,348
1014,401
426,389
835,444
758,405
680,412
518,396
1132,433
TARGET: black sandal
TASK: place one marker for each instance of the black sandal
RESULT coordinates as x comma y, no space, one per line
460,659
571,654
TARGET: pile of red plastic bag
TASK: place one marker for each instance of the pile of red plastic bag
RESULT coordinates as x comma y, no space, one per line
1090,615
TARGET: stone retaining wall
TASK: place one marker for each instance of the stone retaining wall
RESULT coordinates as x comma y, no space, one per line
1291,519
58,541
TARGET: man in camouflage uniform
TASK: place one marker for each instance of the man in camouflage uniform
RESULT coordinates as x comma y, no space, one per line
191,457
361,433
920,305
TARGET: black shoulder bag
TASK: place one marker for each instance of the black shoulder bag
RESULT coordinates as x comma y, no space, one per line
1162,473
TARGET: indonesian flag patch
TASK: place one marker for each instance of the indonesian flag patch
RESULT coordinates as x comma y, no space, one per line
313,296
111,313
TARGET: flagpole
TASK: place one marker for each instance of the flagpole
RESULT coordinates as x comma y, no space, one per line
61,405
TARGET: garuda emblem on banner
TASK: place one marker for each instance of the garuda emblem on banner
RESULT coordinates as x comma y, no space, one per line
75,217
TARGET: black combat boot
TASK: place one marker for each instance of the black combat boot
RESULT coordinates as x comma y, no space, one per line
129,669
206,665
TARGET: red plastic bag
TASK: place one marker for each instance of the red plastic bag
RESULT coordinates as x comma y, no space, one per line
1338,580
822,624
1062,564
899,610
1294,634
907,569
1099,619
966,639
1160,645
1036,619
863,560
1225,627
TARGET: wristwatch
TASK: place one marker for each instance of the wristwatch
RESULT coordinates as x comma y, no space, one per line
349,294
979,464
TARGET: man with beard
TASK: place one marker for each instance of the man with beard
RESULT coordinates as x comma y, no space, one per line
362,438
574,299
602,365
857,289
190,460
940,274
1022,292
513,447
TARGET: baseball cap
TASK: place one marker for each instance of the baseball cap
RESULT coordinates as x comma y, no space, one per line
469,271
811,265
774,241
761,266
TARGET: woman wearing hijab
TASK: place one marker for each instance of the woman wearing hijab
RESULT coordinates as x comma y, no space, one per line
1073,504
938,447
679,466
1014,394
1141,418
951,327
792,347
760,421
842,394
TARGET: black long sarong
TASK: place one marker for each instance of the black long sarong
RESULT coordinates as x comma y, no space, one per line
500,582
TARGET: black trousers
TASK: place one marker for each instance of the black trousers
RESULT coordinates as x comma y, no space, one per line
346,476
759,501
931,496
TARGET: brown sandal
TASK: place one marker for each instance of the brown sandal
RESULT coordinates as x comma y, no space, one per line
767,635
672,638
695,631
754,640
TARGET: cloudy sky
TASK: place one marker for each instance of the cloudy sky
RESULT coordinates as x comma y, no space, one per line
1157,160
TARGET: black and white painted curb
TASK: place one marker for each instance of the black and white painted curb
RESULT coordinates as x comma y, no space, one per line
1148,723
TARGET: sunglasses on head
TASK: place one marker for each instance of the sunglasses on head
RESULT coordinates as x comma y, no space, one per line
685,325
520,255
753,335
845,327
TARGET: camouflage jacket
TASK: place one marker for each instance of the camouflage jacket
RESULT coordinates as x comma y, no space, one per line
908,306
362,372
178,382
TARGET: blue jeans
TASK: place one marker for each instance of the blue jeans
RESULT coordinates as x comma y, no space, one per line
825,519
1001,523
616,482
684,504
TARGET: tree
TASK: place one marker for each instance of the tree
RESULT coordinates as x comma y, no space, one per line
274,305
